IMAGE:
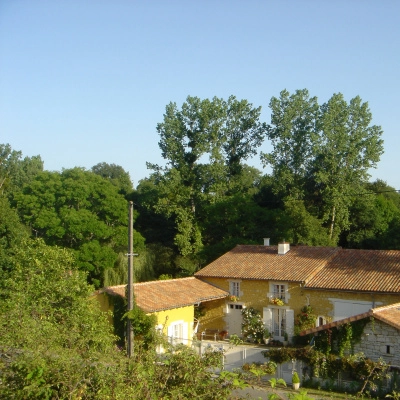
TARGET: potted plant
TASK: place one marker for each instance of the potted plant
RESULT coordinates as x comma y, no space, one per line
295,380
266,336
285,339
276,301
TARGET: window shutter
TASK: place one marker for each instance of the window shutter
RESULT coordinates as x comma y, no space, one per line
185,332
290,322
287,295
267,318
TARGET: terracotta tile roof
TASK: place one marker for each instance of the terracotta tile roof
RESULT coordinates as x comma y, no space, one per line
361,271
263,262
388,314
173,293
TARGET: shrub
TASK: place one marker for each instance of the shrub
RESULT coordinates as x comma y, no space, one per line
295,377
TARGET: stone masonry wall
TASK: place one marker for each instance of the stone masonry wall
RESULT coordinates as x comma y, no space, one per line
380,340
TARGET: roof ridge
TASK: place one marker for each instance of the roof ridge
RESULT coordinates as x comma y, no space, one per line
149,282
165,280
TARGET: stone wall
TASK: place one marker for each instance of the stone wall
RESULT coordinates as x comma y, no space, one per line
380,340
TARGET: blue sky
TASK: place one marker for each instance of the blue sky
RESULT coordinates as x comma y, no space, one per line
83,82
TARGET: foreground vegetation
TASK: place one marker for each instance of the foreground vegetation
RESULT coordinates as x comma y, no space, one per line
57,344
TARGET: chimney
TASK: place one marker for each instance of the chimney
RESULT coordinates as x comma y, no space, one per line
283,247
266,241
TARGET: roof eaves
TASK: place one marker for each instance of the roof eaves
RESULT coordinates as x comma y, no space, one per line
334,324
342,290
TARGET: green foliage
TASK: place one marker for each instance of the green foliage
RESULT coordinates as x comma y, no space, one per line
116,175
252,324
80,210
275,383
280,355
358,367
56,343
143,325
51,329
15,171
305,320
322,154
225,133
302,395
295,377
259,370
340,339
12,233
235,340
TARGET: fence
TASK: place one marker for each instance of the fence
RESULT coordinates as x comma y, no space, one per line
235,356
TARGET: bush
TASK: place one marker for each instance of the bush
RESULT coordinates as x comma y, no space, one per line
295,377
252,325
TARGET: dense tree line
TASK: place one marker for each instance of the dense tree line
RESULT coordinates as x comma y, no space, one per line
206,199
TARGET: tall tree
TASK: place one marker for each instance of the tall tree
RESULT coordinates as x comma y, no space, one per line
322,154
205,143
242,133
117,176
292,132
347,147
15,171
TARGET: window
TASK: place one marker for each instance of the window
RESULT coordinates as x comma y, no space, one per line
235,306
320,321
388,349
279,322
234,288
278,291
178,332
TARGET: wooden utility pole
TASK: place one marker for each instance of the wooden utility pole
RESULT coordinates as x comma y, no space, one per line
130,280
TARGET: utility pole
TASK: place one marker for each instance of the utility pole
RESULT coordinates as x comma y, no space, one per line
130,280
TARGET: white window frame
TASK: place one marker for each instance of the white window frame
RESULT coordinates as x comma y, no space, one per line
279,290
234,306
287,315
234,288
178,332
317,321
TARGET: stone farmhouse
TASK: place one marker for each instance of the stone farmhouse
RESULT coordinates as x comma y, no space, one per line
279,280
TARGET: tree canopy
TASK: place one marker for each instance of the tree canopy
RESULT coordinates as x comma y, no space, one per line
322,154
80,210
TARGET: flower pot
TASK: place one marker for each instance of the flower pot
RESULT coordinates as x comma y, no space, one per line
296,386
266,340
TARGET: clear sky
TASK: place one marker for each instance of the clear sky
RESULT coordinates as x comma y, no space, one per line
86,81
